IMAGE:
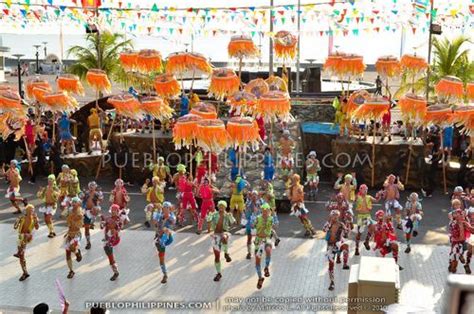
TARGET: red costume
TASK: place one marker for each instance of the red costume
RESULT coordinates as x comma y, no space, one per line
384,236
186,187
206,192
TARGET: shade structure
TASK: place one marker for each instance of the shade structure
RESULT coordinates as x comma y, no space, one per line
204,110
10,101
413,64
241,46
373,108
242,102
4,87
185,130
98,80
276,83
388,67
352,66
413,108
149,60
470,91
212,135
60,102
129,60
70,83
180,62
223,82
439,114
464,117
39,93
355,100
156,107
243,132
333,64
35,82
274,105
126,105
450,87
167,86
12,123
258,87
285,44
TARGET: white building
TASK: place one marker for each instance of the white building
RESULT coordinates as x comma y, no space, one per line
3,55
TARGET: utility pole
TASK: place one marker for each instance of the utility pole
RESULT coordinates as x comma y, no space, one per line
270,60
298,50
37,58
430,40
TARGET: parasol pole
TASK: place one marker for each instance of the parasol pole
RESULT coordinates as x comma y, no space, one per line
53,137
443,163
108,138
154,138
240,71
373,156
192,82
210,165
28,154
410,150
191,159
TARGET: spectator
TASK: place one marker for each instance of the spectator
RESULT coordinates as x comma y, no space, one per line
40,165
378,85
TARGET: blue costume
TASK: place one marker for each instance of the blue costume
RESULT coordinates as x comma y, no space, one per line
269,169
251,215
448,137
184,105
64,125
162,238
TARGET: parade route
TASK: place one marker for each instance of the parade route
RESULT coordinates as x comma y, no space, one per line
298,282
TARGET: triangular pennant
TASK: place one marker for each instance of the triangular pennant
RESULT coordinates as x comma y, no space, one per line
154,8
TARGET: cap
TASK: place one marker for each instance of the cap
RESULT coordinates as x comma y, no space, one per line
75,200
118,182
181,168
92,184
334,212
64,167
74,172
363,187
115,208
265,206
222,203
348,176
312,153
458,189
379,213
51,177
414,195
161,158
167,204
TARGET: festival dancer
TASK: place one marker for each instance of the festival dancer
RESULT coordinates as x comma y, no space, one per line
75,221
95,132
295,191
286,148
346,216
188,201
269,167
112,226
385,237
214,165
469,240
164,220
13,192
268,196
220,222
154,197
206,193
414,213
25,225
91,204
161,170
237,203
363,207
458,227
74,189
64,180
458,194
49,195
312,169
336,231
391,194
65,136
263,244
300,211
119,195
252,210
347,187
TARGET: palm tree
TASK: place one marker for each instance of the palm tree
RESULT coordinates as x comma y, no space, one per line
450,58
101,52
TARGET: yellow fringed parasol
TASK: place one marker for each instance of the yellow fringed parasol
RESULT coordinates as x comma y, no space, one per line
185,130
167,86
356,99
464,116
223,82
277,83
212,136
70,83
39,93
258,87
181,62
439,114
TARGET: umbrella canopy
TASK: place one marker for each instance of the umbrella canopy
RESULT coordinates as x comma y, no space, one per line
450,87
388,67
167,86
285,44
98,80
70,83
241,46
212,135
185,130
223,82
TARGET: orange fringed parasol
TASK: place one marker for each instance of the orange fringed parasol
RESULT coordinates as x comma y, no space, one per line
223,82
167,86
185,130
333,64
356,99
126,105
181,62
276,83
156,107
258,87
373,108
4,87
11,123
212,136
205,111
285,45
388,67
149,60
413,63
413,108
98,80
352,65
241,46
39,93
70,83
464,116
274,105
60,102
450,86
439,114
243,131
470,91
242,102
10,101
36,82
129,60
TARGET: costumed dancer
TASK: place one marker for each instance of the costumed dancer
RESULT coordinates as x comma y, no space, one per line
414,213
164,220
74,189
188,201
269,167
220,222
458,194
263,243
214,164
206,193
363,207
13,192
385,237
459,227
154,197
95,132
336,231
252,210
49,195
119,195
237,202
64,180
295,194
25,226
345,216
65,136
469,240
161,170
391,194
112,226
178,179
347,186
312,168
268,196
286,149
91,204
75,221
